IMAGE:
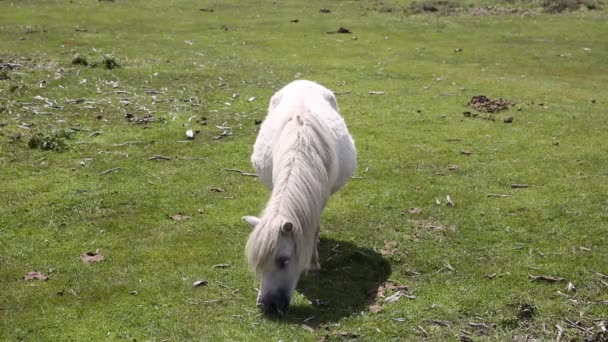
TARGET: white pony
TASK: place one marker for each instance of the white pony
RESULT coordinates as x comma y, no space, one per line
304,153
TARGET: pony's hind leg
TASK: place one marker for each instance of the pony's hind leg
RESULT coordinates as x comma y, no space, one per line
314,261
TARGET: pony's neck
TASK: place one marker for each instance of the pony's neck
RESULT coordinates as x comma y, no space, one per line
301,188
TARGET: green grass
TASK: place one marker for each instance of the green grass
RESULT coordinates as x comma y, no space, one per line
180,65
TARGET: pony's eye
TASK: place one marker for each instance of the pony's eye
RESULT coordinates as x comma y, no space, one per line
282,261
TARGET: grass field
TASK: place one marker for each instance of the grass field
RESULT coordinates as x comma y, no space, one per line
94,158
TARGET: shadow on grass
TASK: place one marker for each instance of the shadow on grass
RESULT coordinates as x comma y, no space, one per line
342,287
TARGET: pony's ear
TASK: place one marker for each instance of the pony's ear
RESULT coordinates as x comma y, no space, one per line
275,100
251,220
287,227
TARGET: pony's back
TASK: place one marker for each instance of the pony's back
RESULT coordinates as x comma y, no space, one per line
316,105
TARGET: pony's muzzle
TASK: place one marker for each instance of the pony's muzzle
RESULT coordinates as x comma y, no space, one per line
275,303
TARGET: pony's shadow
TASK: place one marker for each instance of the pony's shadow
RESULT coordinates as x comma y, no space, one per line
342,288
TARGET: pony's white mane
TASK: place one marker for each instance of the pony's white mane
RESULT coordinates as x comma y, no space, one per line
301,176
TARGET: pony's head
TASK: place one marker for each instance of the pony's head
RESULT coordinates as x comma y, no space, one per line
272,251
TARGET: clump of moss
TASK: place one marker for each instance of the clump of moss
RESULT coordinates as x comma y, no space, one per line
54,142
107,62
79,59
4,75
558,6
433,6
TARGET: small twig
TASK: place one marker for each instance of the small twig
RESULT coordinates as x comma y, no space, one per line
478,325
549,279
242,172
110,170
560,332
158,156
443,323
575,326
308,319
191,158
519,186
426,334
497,195
342,92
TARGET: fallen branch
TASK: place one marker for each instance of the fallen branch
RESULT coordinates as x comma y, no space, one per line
243,173
110,170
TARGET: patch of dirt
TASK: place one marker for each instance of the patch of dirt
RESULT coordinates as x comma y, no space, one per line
35,275
342,30
483,103
434,6
495,10
145,119
90,257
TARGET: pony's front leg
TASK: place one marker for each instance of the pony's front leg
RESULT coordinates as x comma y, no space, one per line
314,261
258,301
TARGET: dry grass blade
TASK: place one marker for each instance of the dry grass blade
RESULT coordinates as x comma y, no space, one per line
110,170
244,173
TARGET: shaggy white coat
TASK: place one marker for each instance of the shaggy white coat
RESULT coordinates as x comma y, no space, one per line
304,153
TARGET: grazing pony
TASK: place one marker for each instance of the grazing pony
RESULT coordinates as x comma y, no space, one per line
304,153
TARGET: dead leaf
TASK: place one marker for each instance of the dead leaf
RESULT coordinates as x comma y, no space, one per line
390,247
35,275
449,202
416,211
549,279
308,327
180,217
453,167
90,257
466,152
346,334
217,189
382,289
491,276
200,283
398,295
375,308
